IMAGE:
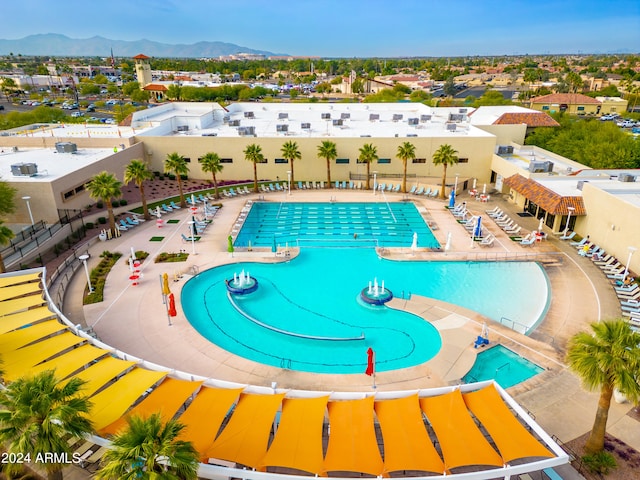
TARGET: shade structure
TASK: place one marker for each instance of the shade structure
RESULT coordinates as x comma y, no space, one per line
512,439
9,280
172,306
244,440
20,319
19,338
98,374
67,363
19,362
298,440
113,401
452,198
20,290
407,445
352,444
23,303
203,417
461,441
165,284
165,399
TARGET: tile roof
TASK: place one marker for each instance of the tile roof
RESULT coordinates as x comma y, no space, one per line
552,202
155,87
567,98
537,119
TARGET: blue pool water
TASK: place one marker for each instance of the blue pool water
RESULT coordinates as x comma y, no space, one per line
334,224
316,294
505,366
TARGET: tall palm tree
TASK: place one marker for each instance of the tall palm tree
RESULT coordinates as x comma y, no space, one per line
38,414
445,156
327,150
138,171
6,234
210,163
147,449
291,152
607,359
406,151
368,153
177,164
253,153
105,187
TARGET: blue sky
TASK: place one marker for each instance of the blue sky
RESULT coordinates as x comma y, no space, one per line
345,28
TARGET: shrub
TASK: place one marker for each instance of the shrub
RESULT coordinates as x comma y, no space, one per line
98,276
600,462
171,257
89,225
102,220
100,205
123,202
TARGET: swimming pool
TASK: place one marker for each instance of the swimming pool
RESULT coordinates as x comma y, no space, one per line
316,294
382,224
504,365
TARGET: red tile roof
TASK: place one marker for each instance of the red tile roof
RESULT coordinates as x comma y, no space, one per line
550,201
154,87
538,119
566,98
140,56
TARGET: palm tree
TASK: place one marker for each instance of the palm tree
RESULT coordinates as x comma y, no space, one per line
290,152
406,151
147,449
177,164
6,234
138,171
39,413
210,163
607,359
105,186
445,156
328,151
253,153
368,153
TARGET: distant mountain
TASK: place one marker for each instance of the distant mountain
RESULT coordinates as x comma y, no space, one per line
62,46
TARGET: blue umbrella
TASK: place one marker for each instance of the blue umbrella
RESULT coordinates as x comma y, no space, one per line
477,231
452,199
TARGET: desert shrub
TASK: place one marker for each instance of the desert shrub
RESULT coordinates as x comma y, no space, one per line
102,220
600,462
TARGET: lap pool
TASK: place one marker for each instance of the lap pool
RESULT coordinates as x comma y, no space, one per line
316,294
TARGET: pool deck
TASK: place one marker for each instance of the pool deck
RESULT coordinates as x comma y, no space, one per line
133,318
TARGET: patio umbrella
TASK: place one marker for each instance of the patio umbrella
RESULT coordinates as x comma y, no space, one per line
371,360
477,231
194,228
541,224
447,247
484,189
414,245
474,183
172,306
165,284
274,247
452,198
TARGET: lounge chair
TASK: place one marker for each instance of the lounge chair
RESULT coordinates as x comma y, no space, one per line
344,185
396,189
419,191
493,210
630,303
413,189
350,184
389,187
528,240
189,239
580,243
497,214
336,185
173,205
166,208
300,186
264,189
121,228
514,231
279,187
487,241
131,222
272,188
435,193
568,237
382,186
322,184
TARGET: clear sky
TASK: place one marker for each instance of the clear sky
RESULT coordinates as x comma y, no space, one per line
345,28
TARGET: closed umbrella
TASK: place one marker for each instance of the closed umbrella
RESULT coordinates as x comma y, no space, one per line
172,306
165,284
447,246
274,247
477,231
541,224
371,367
452,198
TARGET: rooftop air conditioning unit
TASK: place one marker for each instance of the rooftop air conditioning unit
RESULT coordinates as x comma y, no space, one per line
413,121
397,117
66,147
425,118
581,184
374,116
626,177
234,123
505,150
451,127
24,169
344,116
325,116
539,166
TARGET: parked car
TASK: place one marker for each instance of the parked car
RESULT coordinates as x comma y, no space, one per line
77,114
627,124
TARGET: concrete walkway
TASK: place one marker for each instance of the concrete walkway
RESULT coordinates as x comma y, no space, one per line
133,318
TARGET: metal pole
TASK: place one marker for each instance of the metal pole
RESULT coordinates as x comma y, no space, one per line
566,227
193,236
455,188
26,199
375,182
289,181
626,268
84,258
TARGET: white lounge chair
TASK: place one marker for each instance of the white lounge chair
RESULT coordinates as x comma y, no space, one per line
568,237
487,241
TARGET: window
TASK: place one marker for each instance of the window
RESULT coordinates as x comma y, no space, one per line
342,161
545,107
463,160
384,160
581,109
226,160
281,160
419,160
187,160
78,189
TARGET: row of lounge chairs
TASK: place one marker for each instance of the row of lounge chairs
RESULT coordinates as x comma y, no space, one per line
425,192
129,223
510,227
627,292
460,212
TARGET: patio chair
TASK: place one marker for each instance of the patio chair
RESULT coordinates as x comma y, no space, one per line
529,240
568,237
131,222
435,193
396,189
413,189
166,208
419,191
487,241
300,186
173,205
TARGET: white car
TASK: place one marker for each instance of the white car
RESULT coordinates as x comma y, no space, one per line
77,114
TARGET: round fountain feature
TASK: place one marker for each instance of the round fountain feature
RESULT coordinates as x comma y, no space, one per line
376,294
242,283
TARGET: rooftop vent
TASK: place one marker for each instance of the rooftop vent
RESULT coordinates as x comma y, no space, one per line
413,121
451,127
283,116
24,169
505,150
374,116
344,116
626,177
67,147
425,118
325,116
282,128
397,117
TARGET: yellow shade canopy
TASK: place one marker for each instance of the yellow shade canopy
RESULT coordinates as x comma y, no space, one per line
24,336
298,441
512,439
407,445
18,304
16,291
205,414
353,446
99,373
10,280
113,401
26,317
244,440
461,441
67,363
165,399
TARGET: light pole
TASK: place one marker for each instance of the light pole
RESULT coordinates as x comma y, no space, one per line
193,236
289,181
455,187
26,199
626,268
566,227
375,182
84,259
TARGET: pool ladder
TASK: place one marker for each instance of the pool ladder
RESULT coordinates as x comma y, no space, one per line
499,369
285,363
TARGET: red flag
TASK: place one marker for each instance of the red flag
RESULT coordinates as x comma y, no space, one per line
172,306
371,360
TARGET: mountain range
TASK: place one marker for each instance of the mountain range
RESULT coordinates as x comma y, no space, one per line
62,46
